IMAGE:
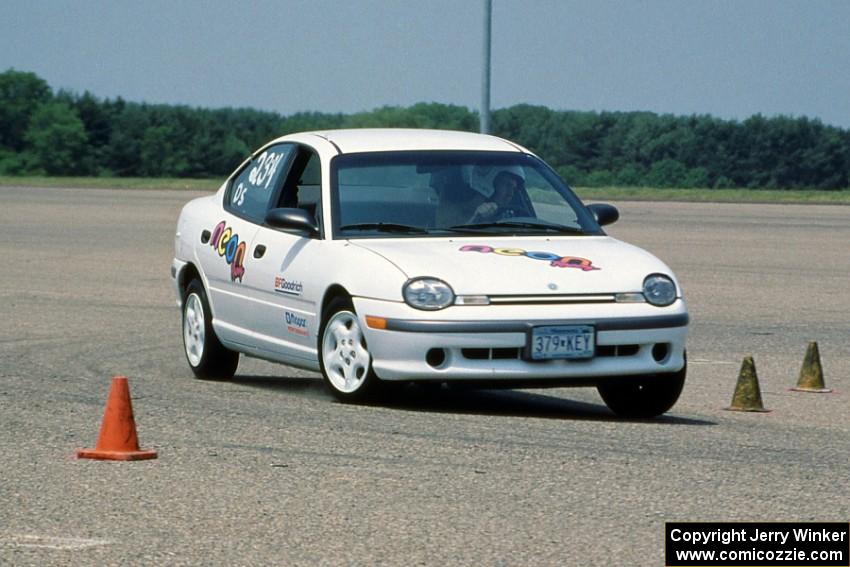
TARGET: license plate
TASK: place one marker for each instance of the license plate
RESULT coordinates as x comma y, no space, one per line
562,341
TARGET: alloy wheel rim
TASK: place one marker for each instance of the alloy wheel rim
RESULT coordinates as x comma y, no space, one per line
194,333
344,353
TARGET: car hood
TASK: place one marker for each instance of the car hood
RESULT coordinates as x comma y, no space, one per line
523,265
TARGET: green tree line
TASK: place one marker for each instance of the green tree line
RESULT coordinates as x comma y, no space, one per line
64,133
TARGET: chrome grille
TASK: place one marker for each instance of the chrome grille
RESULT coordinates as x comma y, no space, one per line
602,351
551,298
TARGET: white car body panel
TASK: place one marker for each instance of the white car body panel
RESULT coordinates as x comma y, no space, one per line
523,265
385,139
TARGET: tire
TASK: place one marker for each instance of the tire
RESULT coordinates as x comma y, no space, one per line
207,357
643,396
344,357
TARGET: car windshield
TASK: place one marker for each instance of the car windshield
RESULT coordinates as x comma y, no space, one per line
443,193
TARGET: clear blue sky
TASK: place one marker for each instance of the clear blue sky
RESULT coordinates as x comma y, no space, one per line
730,59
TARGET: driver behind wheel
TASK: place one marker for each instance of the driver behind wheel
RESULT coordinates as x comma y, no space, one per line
502,200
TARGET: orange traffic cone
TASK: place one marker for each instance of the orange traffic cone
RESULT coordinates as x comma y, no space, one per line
117,440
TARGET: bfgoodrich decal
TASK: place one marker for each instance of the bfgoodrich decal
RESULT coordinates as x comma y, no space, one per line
287,287
555,260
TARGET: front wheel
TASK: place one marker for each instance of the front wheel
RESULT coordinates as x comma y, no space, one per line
643,396
207,357
344,359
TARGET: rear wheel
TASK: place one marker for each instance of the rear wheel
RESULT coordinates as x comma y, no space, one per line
643,396
344,357
207,357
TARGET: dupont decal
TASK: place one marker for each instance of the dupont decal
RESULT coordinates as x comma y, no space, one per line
226,243
287,287
296,324
555,260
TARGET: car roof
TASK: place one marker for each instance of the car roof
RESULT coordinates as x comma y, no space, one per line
407,139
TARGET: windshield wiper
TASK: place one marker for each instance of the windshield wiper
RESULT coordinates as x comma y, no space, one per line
551,227
385,227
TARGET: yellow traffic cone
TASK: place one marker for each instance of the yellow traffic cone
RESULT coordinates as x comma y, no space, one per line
811,374
747,395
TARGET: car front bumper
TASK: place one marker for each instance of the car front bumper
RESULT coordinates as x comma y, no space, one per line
480,343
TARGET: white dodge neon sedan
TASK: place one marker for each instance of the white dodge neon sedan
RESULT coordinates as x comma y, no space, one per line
388,255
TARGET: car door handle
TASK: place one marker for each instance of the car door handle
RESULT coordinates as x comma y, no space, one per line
205,237
259,251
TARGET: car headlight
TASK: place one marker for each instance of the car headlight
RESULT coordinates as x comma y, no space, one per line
429,294
659,290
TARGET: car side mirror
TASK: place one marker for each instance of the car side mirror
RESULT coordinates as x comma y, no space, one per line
604,213
292,219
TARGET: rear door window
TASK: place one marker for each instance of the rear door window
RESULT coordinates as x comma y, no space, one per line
251,190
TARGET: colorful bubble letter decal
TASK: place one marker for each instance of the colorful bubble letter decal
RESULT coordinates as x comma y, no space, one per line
227,244
554,260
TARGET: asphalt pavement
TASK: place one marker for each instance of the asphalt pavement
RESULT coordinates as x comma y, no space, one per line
268,470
